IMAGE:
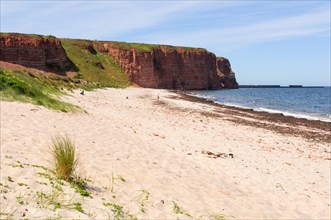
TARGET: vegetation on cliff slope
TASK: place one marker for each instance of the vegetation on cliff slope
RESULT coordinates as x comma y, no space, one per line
26,87
146,47
92,70
93,66
27,35
137,46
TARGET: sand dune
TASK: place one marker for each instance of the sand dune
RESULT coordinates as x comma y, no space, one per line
144,153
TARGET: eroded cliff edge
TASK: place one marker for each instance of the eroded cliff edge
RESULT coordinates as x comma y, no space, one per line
151,66
224,70
40,52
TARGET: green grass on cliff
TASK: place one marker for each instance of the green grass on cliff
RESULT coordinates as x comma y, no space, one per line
27,35
146,47
22,86
137,46
94,66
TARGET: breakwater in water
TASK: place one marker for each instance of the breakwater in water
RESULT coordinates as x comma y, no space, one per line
278,86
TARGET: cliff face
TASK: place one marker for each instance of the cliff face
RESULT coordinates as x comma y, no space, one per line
224,70
167,67
151,66
35,51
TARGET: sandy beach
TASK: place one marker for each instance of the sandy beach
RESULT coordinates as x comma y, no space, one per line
160,154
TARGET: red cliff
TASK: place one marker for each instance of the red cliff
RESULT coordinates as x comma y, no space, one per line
151,66
167,67
35,51
224,70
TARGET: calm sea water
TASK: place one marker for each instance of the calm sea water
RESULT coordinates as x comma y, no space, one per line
309,103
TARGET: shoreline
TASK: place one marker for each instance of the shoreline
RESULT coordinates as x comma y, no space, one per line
313,116
262,116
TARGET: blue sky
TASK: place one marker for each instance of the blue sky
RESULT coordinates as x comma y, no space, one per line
267,42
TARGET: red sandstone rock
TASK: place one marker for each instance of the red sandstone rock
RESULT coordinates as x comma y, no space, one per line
228,79
167,67
35,51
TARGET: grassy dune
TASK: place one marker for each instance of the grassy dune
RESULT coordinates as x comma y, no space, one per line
26,87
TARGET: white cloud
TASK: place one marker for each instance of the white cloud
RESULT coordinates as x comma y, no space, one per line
317,22
86,18
151,21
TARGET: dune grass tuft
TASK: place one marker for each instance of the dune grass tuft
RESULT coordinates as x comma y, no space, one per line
65,157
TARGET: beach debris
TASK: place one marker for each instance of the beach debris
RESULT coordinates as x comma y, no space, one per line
278,185
158,135
217,155
82,92
24,212
127,97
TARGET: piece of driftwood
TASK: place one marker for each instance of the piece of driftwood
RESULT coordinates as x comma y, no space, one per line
217,155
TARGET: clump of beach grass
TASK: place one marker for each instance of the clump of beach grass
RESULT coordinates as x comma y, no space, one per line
65,161
65,157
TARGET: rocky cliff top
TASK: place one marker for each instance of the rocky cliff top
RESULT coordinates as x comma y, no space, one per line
142,47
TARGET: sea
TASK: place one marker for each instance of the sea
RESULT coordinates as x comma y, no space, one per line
308,103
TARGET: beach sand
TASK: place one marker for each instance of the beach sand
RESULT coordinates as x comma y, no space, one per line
159,154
